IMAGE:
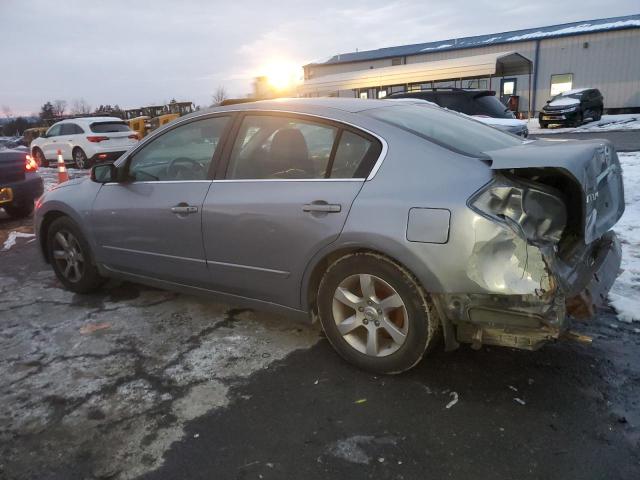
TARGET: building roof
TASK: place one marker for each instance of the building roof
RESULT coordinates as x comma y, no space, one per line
553,31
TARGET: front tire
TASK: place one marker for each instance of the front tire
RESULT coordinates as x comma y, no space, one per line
80,158
19,211
71,257
39,157
375,313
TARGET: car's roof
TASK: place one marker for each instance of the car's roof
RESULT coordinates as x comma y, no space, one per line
352,105
90,120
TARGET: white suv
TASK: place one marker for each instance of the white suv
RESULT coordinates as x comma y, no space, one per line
84,141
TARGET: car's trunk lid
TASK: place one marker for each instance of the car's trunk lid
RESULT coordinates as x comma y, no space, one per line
592,165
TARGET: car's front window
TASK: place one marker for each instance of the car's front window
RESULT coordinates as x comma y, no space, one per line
183,153
453,131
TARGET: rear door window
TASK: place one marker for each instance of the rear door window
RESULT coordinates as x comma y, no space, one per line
109,127
354,156
278,147
70,129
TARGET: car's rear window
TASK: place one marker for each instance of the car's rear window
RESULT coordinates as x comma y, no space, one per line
453,131
109,127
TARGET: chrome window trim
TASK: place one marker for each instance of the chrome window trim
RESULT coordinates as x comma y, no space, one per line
372,173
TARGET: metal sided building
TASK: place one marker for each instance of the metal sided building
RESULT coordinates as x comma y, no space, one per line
532,64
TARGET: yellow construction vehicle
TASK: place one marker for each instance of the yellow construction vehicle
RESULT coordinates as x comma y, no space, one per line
146,119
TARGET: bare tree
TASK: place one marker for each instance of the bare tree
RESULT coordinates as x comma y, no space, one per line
80,107
59,107
6,111
219,97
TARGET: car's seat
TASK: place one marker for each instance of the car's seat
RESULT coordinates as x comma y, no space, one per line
289,156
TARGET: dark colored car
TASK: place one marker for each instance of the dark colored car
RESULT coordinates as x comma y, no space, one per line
20,183
472,102
572,108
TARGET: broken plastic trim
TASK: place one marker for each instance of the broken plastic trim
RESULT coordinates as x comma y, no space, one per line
533,211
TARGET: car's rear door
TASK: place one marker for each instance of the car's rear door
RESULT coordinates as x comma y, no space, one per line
288,184
151,225
67,139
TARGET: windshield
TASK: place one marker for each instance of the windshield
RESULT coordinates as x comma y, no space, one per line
453,131
491,107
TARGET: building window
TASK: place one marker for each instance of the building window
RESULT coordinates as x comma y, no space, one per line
445,84
397,61
561,83
398,88
382,93
479,83
364,95
508,87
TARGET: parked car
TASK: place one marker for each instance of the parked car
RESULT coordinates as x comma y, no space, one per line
483,105
388,221
572,108
20,183
84,141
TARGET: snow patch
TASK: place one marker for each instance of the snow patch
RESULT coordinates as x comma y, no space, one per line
13,236
628,121
445,45
561,102
585,27
625,293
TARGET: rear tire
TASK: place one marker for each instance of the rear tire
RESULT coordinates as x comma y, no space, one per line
39,158
80,158
375,314
71,258
19,211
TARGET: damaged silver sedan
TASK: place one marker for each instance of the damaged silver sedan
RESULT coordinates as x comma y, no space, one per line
394,224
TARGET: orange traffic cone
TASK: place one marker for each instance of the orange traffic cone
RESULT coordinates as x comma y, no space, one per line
63,176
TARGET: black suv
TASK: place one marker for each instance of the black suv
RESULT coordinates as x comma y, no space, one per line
572,108
467,101
482,103
20,183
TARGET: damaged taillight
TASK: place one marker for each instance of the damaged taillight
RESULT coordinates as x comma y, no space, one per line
534,211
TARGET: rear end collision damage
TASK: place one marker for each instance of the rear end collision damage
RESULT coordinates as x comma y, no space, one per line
542,251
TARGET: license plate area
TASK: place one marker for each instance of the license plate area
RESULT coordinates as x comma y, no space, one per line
6,195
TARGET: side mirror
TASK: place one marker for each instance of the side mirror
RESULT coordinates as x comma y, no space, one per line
104,173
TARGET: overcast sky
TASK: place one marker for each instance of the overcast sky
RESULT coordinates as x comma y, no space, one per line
135,53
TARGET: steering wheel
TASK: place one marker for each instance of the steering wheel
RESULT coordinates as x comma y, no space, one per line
291,173
183,168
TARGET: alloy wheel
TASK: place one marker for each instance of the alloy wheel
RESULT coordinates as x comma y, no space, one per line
80,159
68,255
370,315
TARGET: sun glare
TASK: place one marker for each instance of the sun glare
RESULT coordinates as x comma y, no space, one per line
282,75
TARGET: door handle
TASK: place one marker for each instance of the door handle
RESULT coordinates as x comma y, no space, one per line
184,209
322,207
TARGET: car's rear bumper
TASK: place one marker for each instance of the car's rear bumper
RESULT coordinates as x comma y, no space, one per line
528,321
557,118
22,191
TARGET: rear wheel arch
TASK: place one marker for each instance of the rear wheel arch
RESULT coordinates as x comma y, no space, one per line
314,276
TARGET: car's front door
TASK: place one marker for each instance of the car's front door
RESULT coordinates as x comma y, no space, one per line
50,142
67,139
150,225
288,186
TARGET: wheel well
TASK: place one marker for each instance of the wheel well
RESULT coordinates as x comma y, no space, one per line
77,148
322,266
44,230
